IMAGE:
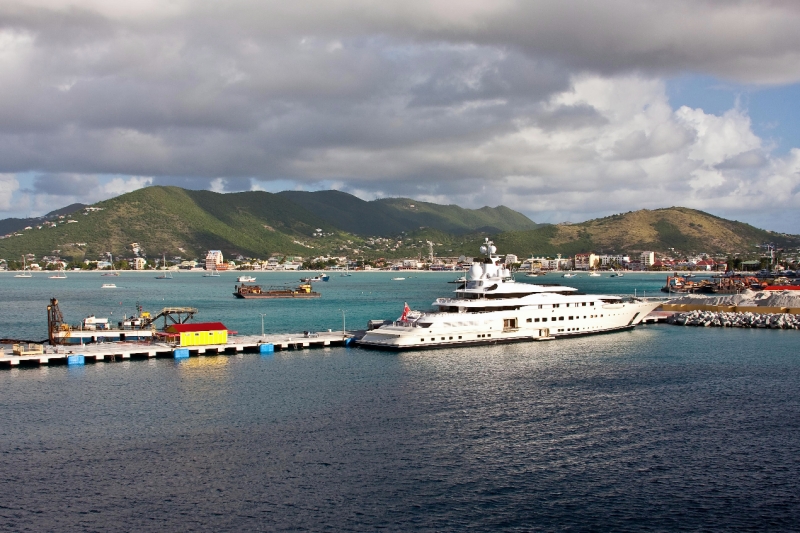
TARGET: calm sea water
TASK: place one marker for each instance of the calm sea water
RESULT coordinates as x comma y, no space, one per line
659,428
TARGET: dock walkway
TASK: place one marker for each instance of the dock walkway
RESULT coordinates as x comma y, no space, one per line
120,351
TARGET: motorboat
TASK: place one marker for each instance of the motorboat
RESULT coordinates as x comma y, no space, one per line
398,279
568,275
493,308
318,277
108,286
594,274
245,279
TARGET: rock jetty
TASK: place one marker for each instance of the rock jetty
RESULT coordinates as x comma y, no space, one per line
735,320
745,299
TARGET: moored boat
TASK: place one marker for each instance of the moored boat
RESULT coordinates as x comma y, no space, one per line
493,308
255,291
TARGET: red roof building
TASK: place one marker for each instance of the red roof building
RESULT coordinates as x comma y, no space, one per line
197,326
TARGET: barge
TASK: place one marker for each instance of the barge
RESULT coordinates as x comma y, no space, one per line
255,291
726,285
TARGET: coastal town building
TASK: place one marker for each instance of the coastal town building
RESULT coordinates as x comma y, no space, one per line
214,261
546,263
586,261
138,263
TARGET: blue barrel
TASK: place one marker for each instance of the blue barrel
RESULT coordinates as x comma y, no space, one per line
76,360
180,353
266,348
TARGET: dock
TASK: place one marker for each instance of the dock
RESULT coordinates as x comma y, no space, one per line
33,355
656,317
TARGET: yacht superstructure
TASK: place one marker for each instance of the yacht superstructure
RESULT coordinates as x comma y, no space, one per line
493,308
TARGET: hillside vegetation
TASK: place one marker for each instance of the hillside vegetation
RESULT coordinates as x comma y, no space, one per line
186,223
179,222
675,229
390,216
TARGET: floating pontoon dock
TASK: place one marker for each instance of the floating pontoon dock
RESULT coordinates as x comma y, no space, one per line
36,355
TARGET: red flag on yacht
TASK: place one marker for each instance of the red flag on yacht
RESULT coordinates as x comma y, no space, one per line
406,310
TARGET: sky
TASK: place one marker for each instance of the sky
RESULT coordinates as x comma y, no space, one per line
563,110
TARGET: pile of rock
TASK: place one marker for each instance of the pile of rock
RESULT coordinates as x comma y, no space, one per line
747,298
735,320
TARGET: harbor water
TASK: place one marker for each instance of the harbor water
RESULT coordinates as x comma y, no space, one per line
659,428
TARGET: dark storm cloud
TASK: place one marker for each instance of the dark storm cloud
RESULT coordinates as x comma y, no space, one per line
64,184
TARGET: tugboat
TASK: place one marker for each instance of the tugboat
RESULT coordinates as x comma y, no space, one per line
255,291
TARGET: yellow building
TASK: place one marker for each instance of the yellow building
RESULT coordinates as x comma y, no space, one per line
200,334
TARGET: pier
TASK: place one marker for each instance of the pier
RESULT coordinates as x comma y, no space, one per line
37,354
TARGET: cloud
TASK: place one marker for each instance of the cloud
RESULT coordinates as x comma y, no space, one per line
8,185
557,109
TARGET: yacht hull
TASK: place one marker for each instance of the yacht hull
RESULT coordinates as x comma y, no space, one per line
528,325
486,342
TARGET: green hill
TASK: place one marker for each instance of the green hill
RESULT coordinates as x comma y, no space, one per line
10,225
187,223
675,229
390,216
176,222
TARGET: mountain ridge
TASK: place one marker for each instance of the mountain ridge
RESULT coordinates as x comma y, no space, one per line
179,222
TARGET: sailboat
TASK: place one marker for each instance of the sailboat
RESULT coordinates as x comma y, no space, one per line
113,270
346,272
166,274
61,274
25,272
213,273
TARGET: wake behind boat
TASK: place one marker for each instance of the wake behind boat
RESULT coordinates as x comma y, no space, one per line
493,308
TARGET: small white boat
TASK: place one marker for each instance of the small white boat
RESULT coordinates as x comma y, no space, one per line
569,275
318,277
245,279
461,279
532,275
61,274
594,274
398,279
108,286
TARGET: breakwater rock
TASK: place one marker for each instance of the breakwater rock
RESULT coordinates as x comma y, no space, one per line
735,320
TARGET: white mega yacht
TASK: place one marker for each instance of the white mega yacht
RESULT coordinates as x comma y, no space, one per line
493,308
